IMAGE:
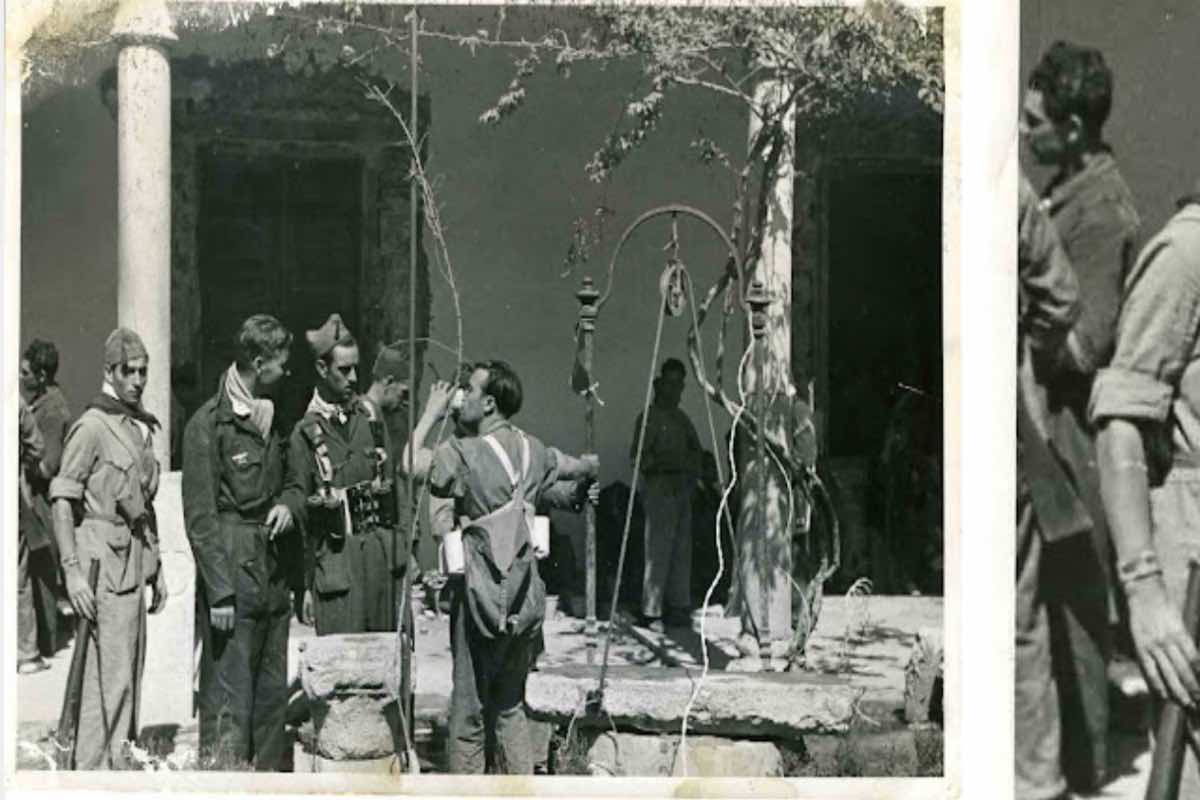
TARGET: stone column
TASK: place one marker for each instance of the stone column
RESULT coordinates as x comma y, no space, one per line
144,29
764,538
144,195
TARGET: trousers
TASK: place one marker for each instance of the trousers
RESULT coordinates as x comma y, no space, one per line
1175,517
115,661
487,702
37,608
243,681
1061,653
667,499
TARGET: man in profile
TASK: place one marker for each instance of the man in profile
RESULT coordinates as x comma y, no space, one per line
1067,101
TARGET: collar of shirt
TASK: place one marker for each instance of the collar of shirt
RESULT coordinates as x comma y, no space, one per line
492,425
318,405
142,427
1065,190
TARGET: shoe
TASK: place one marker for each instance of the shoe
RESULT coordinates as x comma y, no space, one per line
655,625
31,666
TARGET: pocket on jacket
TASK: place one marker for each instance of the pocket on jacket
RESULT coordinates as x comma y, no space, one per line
332,573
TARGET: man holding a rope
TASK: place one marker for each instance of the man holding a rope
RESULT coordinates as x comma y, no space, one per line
495,476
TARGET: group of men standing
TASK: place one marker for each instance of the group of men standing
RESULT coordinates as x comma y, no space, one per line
1108,483
309,521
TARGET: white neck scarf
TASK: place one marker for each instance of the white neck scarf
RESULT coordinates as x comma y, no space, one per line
260,410
319,405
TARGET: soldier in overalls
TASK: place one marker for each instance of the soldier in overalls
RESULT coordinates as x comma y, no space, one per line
496,474
342,483
102,512
238,528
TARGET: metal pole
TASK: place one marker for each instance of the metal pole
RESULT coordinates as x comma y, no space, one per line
407,725
758,300
587,296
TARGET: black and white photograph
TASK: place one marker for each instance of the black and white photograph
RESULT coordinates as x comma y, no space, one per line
408,393
1108,493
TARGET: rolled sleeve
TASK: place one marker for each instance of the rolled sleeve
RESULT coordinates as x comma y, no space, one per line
80,452
1129,394
549,471
1156,334
445,473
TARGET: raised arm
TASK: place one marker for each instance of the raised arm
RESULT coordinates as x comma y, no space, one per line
418,458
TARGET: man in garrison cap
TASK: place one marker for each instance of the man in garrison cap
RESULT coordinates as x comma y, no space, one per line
107,481
341,479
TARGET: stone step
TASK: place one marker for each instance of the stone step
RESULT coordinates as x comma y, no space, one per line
653,699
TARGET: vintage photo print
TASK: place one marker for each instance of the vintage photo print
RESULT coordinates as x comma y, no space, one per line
1107,587
468,399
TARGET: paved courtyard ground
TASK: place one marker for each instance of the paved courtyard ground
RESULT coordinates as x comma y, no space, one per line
867,639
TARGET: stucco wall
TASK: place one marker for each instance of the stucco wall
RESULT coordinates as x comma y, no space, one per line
509,195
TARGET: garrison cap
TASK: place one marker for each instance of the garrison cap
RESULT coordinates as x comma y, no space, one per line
328,336
121,346
391,361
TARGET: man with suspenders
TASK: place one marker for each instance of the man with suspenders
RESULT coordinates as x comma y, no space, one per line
495,477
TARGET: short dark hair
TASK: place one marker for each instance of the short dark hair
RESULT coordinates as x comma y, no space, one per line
504,385
261,335
1074,80
673,365
42,357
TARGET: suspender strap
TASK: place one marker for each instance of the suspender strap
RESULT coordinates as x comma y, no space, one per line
515,479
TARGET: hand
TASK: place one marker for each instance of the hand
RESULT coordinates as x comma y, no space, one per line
1164,649
305,612
591,464
82,599
279,520
593,493
222,616
160,593
440,394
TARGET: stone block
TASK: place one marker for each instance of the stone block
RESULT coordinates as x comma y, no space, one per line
653,699
923,678
351,682
540,734
638,755
385,765
170,634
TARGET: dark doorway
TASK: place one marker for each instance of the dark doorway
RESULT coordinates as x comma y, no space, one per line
281,236
883,363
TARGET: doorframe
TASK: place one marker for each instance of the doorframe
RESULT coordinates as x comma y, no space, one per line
277,153
826,168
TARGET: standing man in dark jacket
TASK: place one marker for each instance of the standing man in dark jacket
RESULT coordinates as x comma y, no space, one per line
1048,507
39,368
1067,102
238,527
343,490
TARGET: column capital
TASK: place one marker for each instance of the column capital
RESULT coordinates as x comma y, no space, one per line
143,22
